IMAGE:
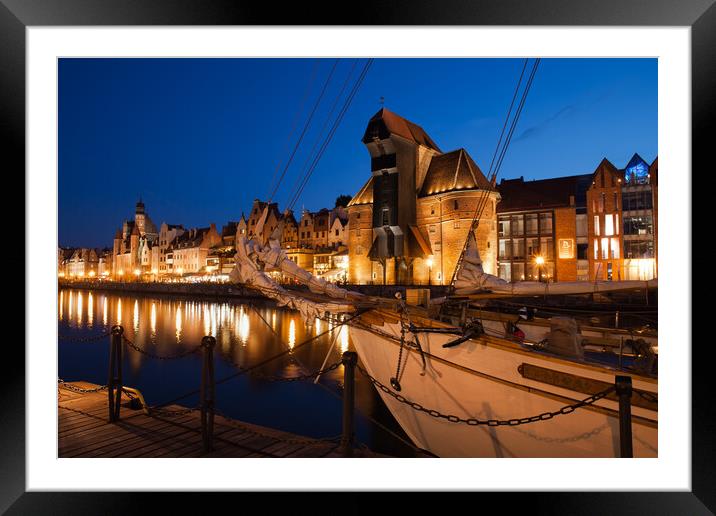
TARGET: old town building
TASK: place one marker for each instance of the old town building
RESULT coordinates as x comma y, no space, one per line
133,244
190,250
542,229
167,234
83,263
409,223
622,213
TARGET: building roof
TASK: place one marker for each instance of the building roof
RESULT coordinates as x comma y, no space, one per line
453,171
190,238
385,122
364,195
518,194
229,229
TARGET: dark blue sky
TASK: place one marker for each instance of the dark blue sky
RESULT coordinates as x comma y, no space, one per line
199,139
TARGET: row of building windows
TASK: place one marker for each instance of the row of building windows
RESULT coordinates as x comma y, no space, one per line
529,224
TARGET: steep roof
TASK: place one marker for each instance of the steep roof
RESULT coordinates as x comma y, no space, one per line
364,195
455,170
385,122
518,194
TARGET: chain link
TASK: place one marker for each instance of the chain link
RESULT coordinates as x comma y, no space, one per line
567,409
160,357
74,388
91,338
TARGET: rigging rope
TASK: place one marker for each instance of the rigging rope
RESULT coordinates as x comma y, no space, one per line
332,131
305,128
294,124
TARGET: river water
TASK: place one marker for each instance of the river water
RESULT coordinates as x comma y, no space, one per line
245,334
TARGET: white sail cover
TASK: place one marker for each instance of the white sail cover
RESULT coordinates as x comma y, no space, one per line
253,260
472,279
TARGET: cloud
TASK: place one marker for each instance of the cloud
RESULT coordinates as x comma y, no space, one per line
537,129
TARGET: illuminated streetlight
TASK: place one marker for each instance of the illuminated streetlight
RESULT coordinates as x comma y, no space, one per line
539,262
91,274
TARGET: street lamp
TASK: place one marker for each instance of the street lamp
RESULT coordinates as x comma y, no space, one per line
430,269
539,262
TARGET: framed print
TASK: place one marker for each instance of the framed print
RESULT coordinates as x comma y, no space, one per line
428,273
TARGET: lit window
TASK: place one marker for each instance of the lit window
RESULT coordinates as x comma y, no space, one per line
596,249
615,248
608,225
605,248
596,225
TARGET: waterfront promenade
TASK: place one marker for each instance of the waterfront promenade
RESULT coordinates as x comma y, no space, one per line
84,431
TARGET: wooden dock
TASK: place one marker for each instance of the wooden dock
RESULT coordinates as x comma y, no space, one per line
84,431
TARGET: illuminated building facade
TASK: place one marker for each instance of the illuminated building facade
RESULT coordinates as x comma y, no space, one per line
542,229
622,216
408,224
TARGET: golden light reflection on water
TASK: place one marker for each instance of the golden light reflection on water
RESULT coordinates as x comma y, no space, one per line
292,334
177,323
153,319
79,308
247,334
136,316
243,326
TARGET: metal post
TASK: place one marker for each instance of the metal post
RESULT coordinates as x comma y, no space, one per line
114,380
207,393
623,388
350,359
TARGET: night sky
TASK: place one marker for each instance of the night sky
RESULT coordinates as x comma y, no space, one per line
199,139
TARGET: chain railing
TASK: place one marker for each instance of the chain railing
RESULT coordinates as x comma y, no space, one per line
155,356
567,409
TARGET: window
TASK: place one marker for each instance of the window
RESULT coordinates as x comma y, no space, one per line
596,225
455,205
545,223
504,227
336,232
517,223
506,271
638,249
518,271
614,243
503,252
518,249
638,225
531,223
386,214
636,200
581,225
456,224
616,224
608,225
605,248
532,247
596,249
602,200
432,210
432,229
616,202
547,248
582,251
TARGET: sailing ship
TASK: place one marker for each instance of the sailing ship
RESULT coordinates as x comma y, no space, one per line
462,379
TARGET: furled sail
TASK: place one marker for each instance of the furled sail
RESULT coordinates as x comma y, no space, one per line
472,279
254,259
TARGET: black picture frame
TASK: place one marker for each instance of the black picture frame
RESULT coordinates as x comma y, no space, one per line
700,15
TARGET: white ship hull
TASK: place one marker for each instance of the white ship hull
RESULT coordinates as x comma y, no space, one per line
481,379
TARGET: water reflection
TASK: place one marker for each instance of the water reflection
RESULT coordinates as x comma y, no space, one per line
292,334
90,310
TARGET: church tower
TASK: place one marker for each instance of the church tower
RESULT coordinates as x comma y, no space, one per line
140,217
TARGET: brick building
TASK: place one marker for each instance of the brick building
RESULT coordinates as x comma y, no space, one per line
409,222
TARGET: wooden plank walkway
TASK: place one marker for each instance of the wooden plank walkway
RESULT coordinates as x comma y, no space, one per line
84,431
